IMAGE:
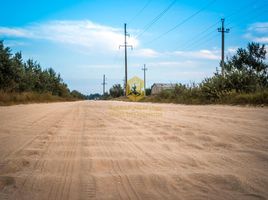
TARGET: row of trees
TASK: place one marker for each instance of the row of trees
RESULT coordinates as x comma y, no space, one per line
19,76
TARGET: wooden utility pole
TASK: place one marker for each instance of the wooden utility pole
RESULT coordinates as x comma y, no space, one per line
125,46
223,31
104,83
144,70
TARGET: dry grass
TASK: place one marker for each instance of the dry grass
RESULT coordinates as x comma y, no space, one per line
29,97
232,98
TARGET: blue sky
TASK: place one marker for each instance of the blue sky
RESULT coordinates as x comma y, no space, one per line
80,38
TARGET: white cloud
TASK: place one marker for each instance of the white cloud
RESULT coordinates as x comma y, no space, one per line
13,43
147,53
201,54
94,37
259,27
16,32
232,50
175,64
98,66
261,39
193,55
81,32
258,32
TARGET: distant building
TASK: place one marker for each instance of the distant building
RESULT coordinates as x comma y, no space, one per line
158,87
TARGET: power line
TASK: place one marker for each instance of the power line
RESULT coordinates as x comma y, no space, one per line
203,38
140,11
156,19
182,22
197,37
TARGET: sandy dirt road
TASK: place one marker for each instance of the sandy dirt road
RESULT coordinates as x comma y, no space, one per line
119,150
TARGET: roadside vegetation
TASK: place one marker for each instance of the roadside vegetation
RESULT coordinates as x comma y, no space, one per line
26,81
245,81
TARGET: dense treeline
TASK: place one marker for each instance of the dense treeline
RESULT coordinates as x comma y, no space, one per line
17,76
245,81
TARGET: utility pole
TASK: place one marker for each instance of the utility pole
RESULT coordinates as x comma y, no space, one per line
104,83
144,70
126,46
223,31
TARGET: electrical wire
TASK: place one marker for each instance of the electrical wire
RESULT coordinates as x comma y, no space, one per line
197,37
149,25
207,37
140,11
182,22
203,39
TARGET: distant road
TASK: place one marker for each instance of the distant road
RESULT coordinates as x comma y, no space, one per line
122,150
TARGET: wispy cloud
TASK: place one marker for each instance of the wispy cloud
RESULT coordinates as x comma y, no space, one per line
15,32
15,43
81,32
258,32
200,54
259,27
174,64
261,39
95,37
193,55
98,66
146,53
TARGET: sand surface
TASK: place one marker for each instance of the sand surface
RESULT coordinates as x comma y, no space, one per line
120,150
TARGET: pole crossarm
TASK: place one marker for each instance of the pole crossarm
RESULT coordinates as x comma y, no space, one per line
128,46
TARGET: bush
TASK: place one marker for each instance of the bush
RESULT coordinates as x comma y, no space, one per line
116,91
148,91
256,98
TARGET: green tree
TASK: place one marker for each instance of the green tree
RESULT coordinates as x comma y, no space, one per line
7,72
17,65
116,91
247,70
